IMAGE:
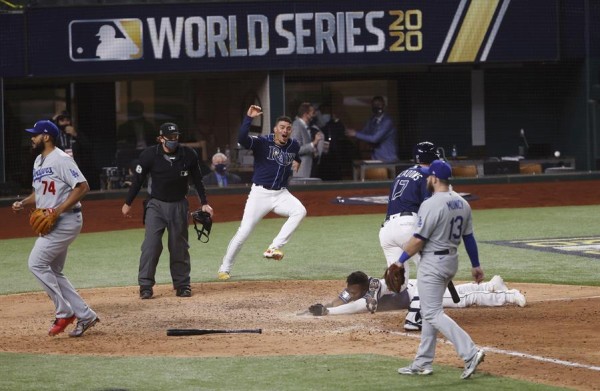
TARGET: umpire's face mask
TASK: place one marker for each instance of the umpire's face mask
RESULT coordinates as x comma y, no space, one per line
171,145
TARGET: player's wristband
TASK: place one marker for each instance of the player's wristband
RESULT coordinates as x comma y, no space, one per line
403,258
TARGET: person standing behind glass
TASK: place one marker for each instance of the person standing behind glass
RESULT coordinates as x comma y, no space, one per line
380,132
219,176
170,166
308,144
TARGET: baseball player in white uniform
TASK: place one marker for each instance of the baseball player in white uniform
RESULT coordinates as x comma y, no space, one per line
57,184
275,155
443,220
364,293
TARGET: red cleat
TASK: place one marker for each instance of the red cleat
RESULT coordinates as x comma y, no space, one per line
60,324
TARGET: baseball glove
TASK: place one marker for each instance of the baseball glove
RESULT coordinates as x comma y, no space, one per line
394,277
318,309
42,220
205,221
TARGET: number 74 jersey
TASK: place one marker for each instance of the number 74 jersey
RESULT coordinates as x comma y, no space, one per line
54,176
443,220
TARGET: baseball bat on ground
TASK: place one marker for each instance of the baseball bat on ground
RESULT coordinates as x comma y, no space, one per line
453,292
185,332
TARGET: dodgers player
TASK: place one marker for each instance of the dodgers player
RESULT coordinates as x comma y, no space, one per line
59,184
443,220
275,155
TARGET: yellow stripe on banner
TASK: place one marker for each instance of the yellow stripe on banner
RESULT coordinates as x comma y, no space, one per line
472,32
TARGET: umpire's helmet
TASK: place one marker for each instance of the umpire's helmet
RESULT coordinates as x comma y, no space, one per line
205,221
425,152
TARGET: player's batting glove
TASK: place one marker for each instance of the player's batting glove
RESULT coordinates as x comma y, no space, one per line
318,309
371,303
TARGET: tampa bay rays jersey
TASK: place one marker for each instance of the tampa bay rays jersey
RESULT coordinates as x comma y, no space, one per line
443,220
408,191
377,288
54,176
272,163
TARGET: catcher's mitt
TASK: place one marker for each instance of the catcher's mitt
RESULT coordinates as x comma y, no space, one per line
318,309
205,221
394,277
42,220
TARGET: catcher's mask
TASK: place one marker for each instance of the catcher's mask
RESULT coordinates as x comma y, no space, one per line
205,222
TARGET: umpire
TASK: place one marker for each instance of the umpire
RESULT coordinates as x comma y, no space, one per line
170,167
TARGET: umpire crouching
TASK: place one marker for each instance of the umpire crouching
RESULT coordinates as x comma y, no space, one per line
170,167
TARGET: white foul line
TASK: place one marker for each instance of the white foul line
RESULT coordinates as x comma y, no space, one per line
511,353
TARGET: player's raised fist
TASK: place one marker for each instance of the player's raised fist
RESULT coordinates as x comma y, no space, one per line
254,111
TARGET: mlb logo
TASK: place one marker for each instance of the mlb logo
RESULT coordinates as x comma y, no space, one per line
106,40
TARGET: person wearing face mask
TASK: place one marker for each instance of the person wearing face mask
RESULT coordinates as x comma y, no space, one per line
69,139
171,167
309,145
220,176
380,132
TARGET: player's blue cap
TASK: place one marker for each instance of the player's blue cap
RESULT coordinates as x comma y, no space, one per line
44,127
440,169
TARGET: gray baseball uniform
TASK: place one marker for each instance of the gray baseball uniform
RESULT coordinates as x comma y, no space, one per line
442,221
54,177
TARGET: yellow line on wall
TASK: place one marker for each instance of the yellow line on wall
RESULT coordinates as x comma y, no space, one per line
472,32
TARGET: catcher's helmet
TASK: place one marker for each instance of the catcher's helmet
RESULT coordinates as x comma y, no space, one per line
205,221
425,152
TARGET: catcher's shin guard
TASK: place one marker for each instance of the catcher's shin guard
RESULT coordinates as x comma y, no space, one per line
413,321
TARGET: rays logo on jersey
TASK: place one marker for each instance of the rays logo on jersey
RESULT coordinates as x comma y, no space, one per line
106,40
282,158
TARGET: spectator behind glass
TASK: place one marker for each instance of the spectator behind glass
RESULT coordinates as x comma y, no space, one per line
308,143
337,161
219,176
69,139
380,132
137,132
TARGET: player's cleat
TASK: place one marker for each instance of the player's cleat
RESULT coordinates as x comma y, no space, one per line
146,293
412,371
273,253
184,291
471,365
514,296
497,284
82,326
410,326
223,276
60,324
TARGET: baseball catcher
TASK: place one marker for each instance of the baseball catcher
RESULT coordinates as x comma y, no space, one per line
205,221
42,220
394,277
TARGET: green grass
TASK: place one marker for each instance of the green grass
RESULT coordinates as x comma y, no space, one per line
322,248
370,372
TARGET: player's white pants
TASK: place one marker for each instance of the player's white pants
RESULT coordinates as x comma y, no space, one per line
470,294
260,202
392,236
47,260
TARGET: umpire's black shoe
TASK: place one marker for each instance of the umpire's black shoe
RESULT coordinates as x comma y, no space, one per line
146,292
184,291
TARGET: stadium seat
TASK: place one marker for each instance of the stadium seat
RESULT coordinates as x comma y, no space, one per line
464,171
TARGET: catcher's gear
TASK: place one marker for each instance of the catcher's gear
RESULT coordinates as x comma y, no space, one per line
394,277
205,221
42,220
425,152
318,309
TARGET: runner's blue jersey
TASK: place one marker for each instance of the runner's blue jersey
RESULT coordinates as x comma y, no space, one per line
272,163
408,191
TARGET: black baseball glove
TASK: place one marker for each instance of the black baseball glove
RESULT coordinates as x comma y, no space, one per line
318,309
205,221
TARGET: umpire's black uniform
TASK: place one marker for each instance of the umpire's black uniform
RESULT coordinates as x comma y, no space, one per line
167,207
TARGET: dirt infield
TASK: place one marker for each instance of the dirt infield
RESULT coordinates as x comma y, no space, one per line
554,340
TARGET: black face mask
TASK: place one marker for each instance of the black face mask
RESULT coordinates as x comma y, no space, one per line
221,169
376,110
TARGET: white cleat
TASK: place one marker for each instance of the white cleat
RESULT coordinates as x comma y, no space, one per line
497,284
516,297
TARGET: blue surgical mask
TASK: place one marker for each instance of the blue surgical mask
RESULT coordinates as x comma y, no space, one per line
171,144
221,168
